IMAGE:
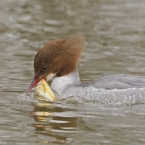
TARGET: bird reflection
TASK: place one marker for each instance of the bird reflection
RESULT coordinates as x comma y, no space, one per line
51,121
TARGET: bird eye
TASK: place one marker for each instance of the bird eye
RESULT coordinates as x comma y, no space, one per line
44,68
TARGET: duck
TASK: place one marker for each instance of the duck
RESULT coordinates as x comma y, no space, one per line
58,61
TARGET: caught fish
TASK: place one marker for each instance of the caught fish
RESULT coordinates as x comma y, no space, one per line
43,92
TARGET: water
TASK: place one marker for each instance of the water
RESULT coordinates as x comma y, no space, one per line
114,32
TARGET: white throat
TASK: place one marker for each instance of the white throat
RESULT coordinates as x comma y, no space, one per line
60,84
50,76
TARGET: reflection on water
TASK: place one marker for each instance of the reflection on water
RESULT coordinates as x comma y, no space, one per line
29,121
114,32
51,121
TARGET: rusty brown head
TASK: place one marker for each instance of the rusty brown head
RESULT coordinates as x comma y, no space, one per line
58,57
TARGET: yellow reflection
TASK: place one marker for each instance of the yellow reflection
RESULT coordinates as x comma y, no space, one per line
51,122
42,113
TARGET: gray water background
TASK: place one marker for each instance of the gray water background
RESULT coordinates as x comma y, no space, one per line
115,39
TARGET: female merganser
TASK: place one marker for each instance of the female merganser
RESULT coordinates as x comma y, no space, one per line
60,57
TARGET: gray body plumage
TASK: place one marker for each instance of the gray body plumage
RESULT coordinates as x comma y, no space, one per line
115,89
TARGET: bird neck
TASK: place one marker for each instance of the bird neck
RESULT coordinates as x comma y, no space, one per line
60,84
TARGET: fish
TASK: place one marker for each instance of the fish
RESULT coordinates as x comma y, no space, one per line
43,92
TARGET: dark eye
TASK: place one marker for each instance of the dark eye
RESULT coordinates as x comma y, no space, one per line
44,68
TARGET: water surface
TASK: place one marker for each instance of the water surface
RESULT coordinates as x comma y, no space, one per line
114,32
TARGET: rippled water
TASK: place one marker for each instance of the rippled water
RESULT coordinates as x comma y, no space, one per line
114,32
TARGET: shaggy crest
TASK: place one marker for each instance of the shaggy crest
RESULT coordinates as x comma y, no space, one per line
59,56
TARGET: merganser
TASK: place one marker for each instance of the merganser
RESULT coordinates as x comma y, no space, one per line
60,57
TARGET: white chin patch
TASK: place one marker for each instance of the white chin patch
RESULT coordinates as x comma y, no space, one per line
50,76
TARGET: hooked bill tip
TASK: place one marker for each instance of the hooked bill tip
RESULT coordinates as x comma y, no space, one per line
33,84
